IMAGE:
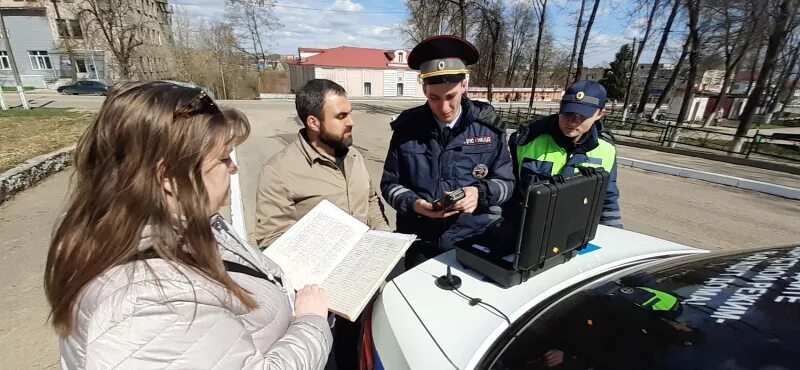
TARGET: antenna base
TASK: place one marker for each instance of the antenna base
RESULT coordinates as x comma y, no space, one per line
448,282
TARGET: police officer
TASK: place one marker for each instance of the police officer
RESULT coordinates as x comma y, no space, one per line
561,142
449,143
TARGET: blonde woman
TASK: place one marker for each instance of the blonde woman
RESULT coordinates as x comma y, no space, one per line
143,272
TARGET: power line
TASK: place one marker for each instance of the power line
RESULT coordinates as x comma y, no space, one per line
337,10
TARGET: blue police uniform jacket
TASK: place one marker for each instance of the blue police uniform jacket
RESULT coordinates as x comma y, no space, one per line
530,170
421,165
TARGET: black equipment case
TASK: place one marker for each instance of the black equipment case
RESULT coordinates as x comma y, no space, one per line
553,220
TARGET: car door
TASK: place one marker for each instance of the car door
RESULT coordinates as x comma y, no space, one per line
95,87
76,88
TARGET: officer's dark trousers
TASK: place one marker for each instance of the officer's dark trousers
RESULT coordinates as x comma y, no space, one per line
420,252
344,354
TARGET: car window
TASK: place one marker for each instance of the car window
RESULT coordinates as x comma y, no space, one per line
738,311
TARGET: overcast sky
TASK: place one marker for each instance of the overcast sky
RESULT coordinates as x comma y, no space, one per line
374,23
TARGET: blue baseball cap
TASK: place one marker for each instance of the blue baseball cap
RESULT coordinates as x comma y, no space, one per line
584,98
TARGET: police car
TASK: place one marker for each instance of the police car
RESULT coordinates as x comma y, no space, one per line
627,301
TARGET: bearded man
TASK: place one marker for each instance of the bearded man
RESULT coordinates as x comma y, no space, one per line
319,164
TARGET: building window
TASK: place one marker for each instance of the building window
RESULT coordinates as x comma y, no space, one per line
81,65
367,88
75,25
4,62
40,60
400,89
62,28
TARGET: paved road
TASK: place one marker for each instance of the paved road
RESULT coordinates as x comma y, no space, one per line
686,211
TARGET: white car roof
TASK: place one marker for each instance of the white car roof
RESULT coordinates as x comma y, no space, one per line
465,332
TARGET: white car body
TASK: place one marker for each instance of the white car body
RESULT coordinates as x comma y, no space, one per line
416,325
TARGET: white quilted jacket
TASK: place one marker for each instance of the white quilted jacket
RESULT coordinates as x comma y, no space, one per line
126,320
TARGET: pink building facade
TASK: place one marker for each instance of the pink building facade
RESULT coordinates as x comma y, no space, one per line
362,72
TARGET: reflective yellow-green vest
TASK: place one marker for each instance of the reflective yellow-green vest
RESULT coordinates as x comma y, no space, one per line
545,149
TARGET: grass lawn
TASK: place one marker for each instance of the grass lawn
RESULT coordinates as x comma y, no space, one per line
25,134
14,88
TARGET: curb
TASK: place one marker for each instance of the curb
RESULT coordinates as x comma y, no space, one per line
737,182
39,168
33,171
751,162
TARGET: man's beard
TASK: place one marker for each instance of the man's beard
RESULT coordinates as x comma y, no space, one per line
334,141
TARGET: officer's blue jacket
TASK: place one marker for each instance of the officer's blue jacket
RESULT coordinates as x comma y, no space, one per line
533,170
419,165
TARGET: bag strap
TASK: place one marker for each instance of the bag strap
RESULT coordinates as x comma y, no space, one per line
242,269
230,267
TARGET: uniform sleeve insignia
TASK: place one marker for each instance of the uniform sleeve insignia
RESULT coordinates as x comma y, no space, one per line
480,171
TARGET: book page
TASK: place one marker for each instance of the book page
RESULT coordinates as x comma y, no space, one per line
312,247
355,279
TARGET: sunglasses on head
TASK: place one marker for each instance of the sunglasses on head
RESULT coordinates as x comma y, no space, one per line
200,104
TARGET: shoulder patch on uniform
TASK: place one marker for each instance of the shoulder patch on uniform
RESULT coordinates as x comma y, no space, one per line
603,134
404,117
530,130
608,137
485,114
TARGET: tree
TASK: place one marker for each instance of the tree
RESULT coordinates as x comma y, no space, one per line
782,19
737,21
542,17
67,42
790,93
672,78
645,93
209,54
436,17
121,28
547,55
519,35
782,82
589,24
492,21
253,19
574,45
756,57
636,59
616,79
184,33
693,7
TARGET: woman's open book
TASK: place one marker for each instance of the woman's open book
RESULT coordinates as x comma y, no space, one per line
331,248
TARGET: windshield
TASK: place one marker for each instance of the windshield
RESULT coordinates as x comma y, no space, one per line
737,311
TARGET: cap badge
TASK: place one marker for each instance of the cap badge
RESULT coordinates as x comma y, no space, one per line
579,96
441,65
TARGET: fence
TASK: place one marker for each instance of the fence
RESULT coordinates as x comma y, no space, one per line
513,117
777,146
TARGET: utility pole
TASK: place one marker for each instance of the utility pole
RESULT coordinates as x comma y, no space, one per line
13,64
